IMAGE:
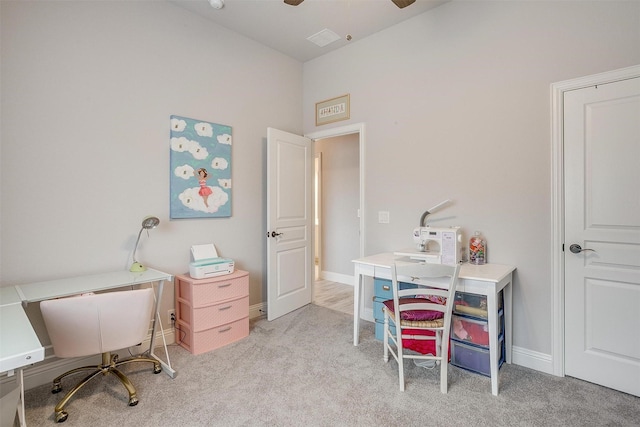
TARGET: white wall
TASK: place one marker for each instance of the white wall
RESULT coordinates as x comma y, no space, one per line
457,105
87,91
340,202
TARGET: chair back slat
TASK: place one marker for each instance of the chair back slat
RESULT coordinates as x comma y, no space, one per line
423,275
426,304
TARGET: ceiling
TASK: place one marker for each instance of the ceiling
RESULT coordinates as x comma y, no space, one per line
286,28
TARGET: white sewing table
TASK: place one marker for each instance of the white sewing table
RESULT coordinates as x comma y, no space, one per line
20,344
487,280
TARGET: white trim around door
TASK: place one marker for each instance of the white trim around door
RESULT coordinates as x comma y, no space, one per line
557,199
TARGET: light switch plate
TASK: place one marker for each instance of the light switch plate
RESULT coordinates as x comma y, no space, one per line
383,217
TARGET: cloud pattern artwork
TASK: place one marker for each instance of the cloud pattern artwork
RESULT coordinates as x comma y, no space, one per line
200,169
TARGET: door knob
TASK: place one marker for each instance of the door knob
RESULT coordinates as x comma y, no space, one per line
273,234
576,249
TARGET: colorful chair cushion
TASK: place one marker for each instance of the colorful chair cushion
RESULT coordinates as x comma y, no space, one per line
414,315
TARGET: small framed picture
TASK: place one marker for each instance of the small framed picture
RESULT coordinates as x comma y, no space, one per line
332,110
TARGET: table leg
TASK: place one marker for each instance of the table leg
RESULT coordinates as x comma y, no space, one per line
494,351
508,320
166,366
21,412
357,292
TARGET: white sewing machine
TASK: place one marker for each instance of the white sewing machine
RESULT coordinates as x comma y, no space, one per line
435,245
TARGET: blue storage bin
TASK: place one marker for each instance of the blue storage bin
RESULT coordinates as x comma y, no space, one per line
378,315
474,358
380,330
383,292
382,289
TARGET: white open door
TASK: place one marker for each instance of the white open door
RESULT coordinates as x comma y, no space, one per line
289,222
602,234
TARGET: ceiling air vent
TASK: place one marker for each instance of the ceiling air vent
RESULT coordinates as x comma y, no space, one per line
323,37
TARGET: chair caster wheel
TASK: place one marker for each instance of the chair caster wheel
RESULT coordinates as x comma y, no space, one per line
133,401
157,369
61,416
57,388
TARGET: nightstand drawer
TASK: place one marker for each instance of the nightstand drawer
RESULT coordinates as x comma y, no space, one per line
204,292
210,339
214,315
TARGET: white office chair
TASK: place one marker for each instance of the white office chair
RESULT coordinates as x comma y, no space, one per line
425,308
100,323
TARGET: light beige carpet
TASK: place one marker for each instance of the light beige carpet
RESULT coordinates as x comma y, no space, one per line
303,370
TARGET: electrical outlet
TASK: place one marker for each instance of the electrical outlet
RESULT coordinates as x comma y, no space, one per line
171,316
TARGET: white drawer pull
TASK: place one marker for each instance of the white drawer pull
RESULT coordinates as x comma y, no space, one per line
386,287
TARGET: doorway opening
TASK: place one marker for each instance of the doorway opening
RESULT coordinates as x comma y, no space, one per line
338,214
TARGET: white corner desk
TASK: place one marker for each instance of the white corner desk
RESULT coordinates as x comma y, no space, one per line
20,344
487,280
19,347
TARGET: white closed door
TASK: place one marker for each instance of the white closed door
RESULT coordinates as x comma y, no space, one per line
289,222
602,234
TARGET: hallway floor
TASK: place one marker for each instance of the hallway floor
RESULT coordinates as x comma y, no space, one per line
333,295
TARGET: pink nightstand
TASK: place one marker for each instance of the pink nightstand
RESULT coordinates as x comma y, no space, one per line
213,312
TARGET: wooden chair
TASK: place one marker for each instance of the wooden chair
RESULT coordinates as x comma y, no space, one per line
426,306
98,324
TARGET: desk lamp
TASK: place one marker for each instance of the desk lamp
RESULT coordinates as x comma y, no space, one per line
147,224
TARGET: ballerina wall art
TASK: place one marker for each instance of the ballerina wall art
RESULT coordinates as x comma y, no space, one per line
200,169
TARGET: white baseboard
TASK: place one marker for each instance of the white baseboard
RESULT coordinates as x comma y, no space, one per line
532,359
345,279
257,310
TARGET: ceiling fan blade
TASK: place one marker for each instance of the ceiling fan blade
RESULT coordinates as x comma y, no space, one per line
400,3
297,2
